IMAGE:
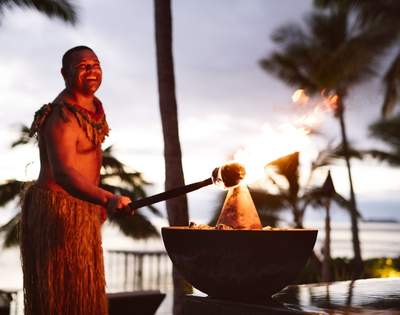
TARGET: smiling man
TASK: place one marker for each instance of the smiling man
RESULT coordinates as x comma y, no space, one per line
63,210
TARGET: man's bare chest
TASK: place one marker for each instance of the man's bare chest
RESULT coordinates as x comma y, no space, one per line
85,147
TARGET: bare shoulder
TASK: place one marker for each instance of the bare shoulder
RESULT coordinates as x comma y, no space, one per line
60,120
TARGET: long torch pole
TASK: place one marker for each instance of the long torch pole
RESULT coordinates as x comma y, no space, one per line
169,194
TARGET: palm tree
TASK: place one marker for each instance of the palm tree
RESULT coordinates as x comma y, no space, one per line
177,208
291,194
61,9
333,53
298,199
385,14
388,131
130,183
287,167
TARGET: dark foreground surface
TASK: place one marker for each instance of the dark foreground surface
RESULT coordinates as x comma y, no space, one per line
370,296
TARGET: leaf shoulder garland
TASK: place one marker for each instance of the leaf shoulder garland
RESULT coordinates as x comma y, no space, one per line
93,124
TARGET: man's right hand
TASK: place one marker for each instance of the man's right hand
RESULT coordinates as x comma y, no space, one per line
118,205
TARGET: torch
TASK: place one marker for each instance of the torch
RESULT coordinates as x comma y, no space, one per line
228,175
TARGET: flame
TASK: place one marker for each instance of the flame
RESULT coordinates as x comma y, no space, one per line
300,97
277,140
330,100
313,113
272,143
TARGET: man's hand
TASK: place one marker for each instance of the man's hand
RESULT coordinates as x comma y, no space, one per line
119,205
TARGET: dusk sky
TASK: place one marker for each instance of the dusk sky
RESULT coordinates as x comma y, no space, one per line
224,97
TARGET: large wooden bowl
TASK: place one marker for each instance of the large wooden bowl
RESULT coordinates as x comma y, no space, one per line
239,264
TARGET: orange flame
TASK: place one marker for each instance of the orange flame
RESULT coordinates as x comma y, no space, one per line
315,112
279,140
273,142
300,97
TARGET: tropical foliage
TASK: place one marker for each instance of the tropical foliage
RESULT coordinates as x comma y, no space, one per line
383,15
61,9
387,131
340,45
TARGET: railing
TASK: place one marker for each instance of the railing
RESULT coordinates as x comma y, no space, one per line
125,271
138,270
10,302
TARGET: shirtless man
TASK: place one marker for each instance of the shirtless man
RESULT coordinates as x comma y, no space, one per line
63,210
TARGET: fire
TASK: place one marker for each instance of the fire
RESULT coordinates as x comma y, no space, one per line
272,143
277,140
300,97
312,114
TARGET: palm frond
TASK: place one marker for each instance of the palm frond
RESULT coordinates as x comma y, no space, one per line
24,137
11,231
10,190
288,69
325,157
288,167
61,9
265,201
339,153
344,203
333,54
391,82
388,131
393,158
383,12
110,162
268,206
135,226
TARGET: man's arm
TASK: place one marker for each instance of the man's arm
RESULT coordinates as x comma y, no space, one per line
61,136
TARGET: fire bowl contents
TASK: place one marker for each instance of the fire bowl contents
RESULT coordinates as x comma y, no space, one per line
195,226
245,265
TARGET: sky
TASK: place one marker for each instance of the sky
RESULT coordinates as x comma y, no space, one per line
225,99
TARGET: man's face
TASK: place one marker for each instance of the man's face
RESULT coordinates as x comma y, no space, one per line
83,73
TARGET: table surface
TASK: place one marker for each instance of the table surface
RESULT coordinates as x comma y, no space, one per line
367,296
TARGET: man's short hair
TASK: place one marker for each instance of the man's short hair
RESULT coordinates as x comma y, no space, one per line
67,56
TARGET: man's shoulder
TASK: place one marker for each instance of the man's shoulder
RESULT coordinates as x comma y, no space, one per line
53,114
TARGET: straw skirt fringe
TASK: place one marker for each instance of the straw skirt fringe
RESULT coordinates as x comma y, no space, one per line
62,256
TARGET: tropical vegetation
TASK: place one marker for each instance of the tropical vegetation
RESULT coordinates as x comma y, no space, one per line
340,45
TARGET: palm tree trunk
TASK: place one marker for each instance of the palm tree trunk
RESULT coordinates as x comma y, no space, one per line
177,208
358,263
326,264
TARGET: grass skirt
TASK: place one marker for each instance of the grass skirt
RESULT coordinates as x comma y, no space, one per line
62,256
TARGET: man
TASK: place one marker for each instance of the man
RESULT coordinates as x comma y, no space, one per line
63,210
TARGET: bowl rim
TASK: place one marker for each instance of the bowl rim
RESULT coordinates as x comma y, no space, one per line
187,228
